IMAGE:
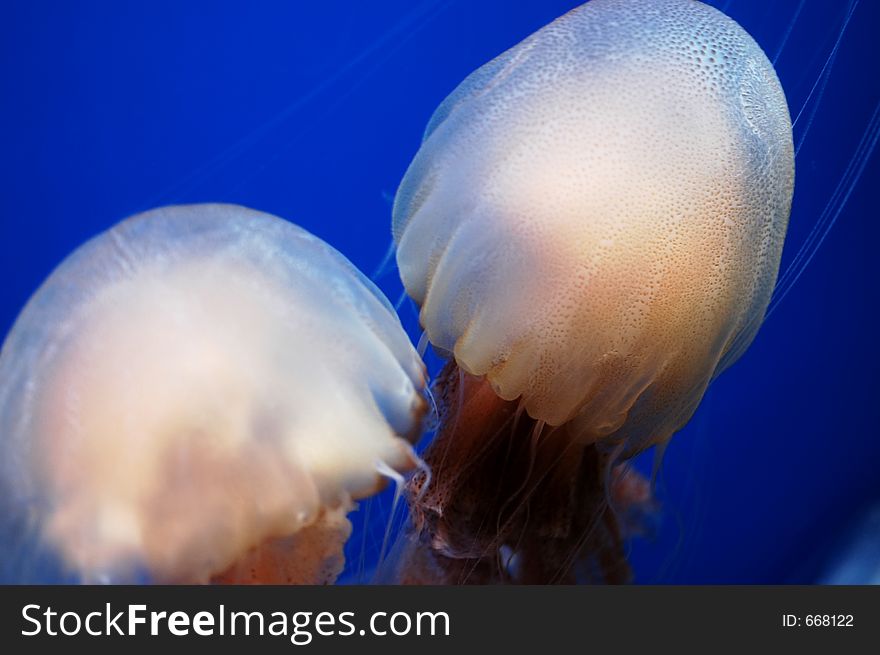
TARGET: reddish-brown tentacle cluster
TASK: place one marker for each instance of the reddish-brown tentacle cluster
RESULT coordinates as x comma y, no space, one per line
513,500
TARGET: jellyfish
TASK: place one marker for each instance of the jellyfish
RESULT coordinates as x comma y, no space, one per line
200,394
591,229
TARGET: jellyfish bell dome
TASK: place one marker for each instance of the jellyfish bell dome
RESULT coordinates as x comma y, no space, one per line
200,393
594,220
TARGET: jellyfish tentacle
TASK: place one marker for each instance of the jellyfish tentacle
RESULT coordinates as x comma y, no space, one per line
784,41
822,79
832,210
399,483
482,503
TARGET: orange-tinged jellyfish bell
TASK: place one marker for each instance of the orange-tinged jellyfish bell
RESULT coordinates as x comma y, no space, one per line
199,394
592,228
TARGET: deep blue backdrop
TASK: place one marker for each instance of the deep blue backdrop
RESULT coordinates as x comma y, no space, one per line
312,110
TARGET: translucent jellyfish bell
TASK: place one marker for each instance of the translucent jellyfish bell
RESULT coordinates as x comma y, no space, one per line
595,218
594,222
199,393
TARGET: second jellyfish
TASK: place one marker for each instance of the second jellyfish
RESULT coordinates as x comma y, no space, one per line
592,229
